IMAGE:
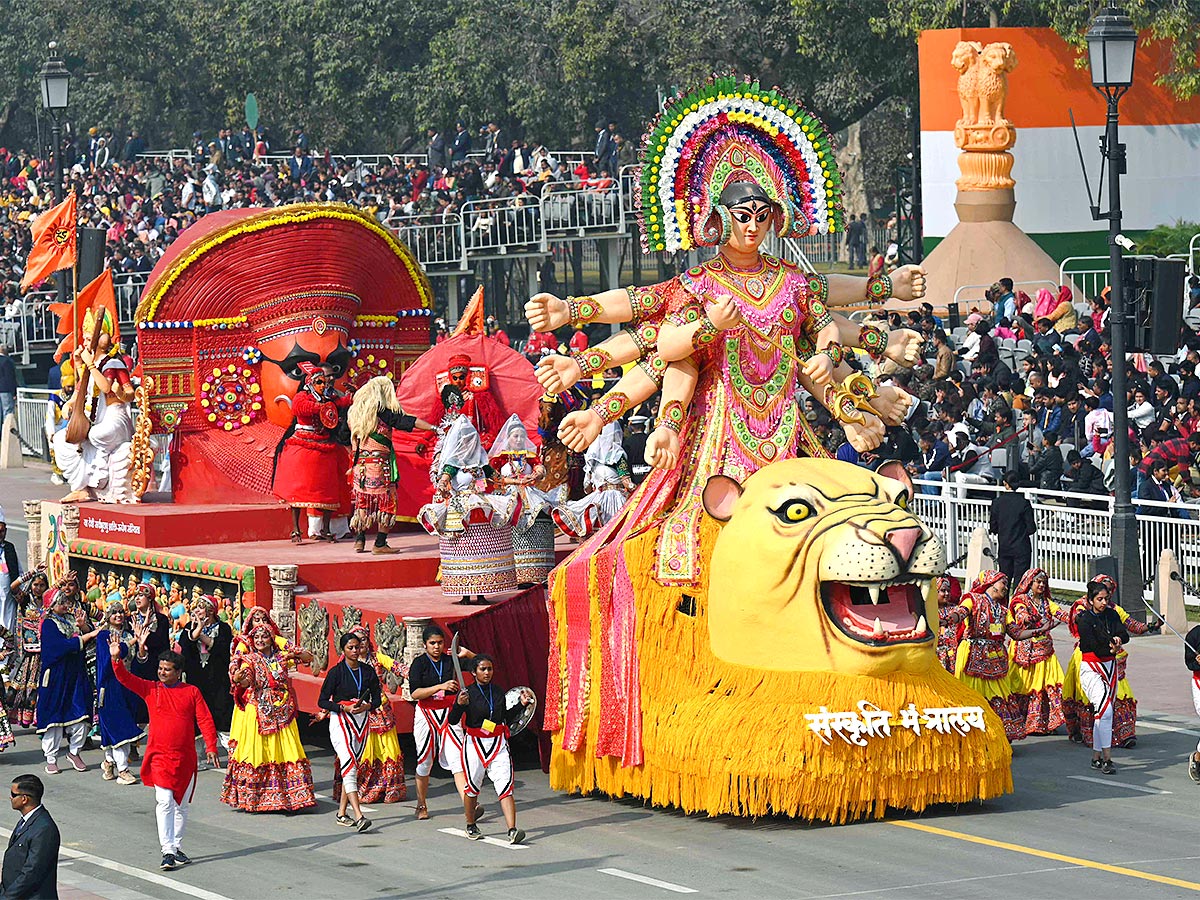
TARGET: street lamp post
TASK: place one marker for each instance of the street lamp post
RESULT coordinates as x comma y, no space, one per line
1111,41
56,80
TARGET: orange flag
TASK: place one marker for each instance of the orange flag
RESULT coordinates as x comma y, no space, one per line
472,317
53,242
100,298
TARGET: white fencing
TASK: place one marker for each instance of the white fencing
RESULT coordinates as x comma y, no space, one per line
33,405
1072,529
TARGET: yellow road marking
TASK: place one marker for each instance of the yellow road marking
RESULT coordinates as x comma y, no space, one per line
1046,854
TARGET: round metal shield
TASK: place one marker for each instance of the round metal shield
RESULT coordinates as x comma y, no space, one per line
513,698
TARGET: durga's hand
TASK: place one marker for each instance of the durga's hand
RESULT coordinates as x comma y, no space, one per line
662,448
578,430
724,314
908,283
819,368
557,373
545,312
904,347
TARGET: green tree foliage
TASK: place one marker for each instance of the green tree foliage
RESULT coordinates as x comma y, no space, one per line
369,74
1165,240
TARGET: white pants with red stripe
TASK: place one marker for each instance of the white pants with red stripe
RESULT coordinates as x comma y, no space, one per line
435,739
488,756
1099,683
348,735
1196,700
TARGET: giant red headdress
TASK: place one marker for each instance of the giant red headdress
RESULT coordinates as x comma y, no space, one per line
241,304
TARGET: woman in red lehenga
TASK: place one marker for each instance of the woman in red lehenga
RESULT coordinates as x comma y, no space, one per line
268,768
949,633
310,468
1036,673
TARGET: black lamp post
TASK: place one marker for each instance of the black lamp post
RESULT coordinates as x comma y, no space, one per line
1111,41
56,80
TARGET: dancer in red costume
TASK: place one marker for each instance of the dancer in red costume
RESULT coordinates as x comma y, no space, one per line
478,404
177,710
309,466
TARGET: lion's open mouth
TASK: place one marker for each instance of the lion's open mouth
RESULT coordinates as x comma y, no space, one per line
878,613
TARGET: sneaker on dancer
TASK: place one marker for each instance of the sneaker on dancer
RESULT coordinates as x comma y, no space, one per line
181,858
168,862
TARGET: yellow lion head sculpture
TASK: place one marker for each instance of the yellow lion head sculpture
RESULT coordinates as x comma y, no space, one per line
824,555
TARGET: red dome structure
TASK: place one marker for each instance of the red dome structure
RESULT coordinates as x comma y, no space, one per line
238,301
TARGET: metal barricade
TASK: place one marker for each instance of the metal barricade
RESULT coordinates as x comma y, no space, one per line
33,406
506,226
1090,274
1072,529
582,212
436,242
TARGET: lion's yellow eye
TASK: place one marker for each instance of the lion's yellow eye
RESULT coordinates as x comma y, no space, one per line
902,500
792,511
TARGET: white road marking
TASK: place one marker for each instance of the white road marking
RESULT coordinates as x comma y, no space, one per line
653,882
1120,784
1174,728
497,842
149,877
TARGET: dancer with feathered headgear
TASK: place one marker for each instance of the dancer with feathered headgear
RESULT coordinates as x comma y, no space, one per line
374,414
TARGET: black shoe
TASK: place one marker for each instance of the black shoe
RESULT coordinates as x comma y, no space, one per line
168,862
1096,763
344,820
1128,744
181,858
1108,768
362,824
1075,737
1194,769
474,833
516,836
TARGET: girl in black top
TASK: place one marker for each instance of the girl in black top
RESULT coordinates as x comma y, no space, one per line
350,691
485,745
431,683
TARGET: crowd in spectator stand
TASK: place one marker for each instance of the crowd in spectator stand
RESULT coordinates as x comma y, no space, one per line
144,202
1027,389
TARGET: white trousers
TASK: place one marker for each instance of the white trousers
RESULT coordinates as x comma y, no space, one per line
118,756
435,740
1099,682
1196,701
487,756
172,816
52,739
346,763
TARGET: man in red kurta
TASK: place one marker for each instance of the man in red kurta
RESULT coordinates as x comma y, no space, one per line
176,710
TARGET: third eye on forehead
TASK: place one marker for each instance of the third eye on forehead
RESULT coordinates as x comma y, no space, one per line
756,210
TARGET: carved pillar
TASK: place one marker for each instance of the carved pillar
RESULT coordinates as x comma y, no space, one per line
283,598
413,646
68,518
34,549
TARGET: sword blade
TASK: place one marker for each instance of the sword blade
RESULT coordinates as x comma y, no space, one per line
462,684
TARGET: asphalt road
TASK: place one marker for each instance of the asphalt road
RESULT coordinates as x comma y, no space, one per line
1065,832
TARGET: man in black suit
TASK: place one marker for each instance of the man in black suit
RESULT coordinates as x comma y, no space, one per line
1012,522
31,860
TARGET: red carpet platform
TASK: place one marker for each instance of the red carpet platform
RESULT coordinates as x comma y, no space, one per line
222,545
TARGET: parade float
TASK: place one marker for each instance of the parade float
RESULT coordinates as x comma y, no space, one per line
755,633
239,307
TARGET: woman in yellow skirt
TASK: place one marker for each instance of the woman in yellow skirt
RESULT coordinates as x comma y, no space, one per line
268,769
982,661
1036,673
242,646
381,771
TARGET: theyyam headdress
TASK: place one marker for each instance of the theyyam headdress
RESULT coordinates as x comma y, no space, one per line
725,131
